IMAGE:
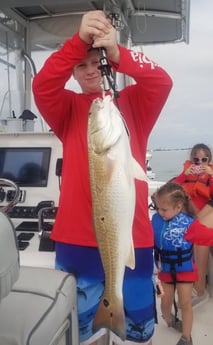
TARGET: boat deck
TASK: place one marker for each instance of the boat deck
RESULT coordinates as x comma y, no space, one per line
202,333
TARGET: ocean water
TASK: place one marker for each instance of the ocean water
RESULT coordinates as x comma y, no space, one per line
167,164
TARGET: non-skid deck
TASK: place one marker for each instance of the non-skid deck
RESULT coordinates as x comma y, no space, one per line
202,333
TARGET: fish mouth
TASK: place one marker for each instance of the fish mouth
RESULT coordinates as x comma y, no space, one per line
99,103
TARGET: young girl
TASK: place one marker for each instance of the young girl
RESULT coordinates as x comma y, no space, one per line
197,180
175,229
197,176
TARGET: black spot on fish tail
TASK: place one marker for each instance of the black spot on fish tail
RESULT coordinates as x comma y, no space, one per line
110,315
106,302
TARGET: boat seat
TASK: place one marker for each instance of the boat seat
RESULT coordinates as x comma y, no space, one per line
9,256
38,306
40,309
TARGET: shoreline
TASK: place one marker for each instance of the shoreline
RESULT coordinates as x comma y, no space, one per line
171,149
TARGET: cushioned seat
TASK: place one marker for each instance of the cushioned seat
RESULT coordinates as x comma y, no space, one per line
41,308
9,256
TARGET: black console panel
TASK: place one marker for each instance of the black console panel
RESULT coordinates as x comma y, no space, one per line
31,212
27,226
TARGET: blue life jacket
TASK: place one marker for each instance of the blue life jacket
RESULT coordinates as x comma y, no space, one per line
172,252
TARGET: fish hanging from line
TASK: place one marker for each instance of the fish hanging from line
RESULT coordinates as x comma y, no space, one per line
112,171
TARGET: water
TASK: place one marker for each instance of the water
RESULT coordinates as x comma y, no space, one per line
168,164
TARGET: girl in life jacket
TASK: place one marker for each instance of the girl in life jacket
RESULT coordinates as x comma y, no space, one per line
197,176
197,180
174,255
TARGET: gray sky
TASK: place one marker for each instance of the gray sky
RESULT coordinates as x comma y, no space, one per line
187,117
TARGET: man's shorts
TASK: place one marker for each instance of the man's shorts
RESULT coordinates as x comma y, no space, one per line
138,289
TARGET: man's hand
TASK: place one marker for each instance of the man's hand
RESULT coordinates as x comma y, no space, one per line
97,30
94,24
109,42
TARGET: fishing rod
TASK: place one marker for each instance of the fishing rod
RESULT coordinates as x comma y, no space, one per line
106,73
105,67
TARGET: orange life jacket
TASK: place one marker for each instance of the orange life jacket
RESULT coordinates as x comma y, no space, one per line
197,184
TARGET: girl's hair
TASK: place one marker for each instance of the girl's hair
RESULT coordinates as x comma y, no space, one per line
203,147
176,194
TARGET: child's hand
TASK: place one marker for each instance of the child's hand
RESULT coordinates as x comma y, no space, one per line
189,170
207,169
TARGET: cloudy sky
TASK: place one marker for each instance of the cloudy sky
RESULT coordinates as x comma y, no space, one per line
187,118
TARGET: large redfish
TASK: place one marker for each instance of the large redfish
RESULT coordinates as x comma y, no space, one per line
112,171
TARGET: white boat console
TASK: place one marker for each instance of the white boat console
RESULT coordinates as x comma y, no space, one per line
32,160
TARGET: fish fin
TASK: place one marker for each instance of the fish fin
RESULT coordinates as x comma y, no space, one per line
110,315
138,171
131,257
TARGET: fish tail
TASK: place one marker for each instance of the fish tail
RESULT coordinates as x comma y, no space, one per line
110,315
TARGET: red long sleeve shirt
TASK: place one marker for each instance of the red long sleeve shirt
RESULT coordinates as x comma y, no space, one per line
66,112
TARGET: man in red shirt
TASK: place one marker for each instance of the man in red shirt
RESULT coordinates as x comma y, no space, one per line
66,112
